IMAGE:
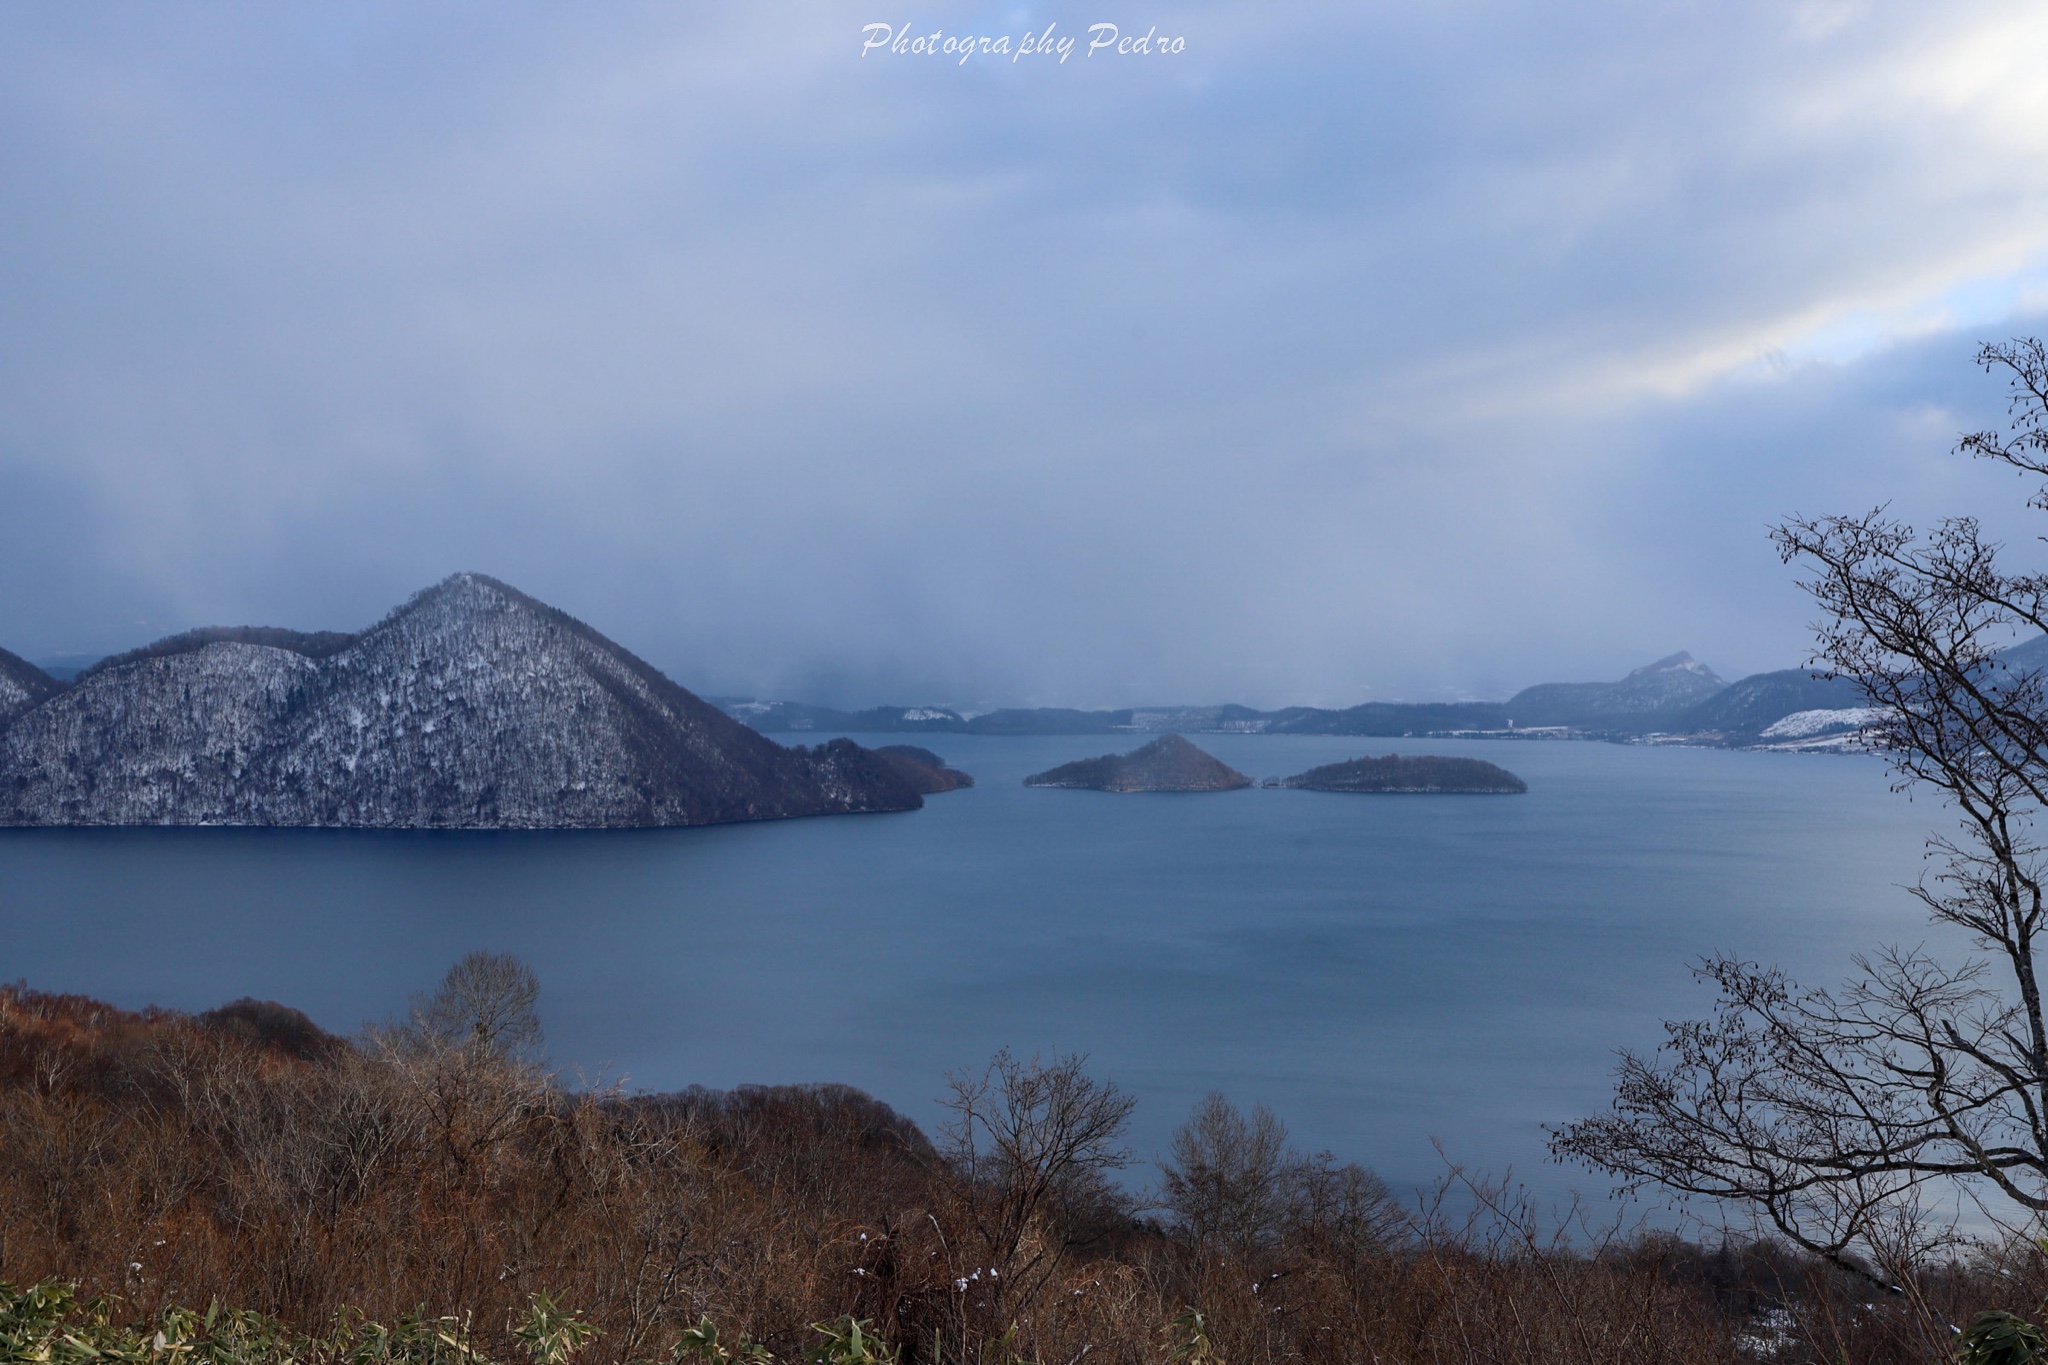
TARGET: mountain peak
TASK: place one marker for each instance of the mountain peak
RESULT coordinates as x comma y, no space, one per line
1661,689
1679,662
466,590
468,611
1168,764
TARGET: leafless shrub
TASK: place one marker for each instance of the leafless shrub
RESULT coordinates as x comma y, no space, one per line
1034,1143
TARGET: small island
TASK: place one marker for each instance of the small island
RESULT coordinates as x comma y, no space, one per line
1167,764
1416,773
924,770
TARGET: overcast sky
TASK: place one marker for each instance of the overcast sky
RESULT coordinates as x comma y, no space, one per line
1396,350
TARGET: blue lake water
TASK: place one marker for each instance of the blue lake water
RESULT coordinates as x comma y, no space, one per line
1382,971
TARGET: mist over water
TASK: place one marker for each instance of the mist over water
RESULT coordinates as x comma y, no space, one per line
1381,971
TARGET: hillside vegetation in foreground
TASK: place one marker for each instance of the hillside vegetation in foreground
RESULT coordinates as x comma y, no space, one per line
428,1191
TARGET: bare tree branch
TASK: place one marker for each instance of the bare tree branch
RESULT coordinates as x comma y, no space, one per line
1830,1113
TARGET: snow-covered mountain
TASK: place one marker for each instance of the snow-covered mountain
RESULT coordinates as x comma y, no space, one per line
470,707
22,685
1651,693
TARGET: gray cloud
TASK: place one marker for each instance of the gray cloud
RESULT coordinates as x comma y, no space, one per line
1419,350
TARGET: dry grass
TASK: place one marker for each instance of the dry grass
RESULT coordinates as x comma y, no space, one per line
245,1157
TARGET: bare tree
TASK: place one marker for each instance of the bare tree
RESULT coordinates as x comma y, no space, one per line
470,1056
1035,1142
1830,1112
1226,1180
1342,1210
485,1007
1233,1183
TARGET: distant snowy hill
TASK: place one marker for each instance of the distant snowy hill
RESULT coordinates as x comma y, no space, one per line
1807,724
472,706
1751,705
1647,698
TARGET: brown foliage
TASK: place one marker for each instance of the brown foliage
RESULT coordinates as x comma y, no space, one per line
245,1156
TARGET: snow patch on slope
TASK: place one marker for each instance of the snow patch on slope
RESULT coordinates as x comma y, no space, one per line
1802,724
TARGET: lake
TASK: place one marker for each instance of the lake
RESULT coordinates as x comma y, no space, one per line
1380,970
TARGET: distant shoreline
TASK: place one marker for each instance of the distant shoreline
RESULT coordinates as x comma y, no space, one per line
1676,700
1833,730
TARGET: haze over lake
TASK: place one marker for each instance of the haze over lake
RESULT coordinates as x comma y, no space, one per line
1381,970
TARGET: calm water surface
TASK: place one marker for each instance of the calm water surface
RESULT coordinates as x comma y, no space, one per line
1381,971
